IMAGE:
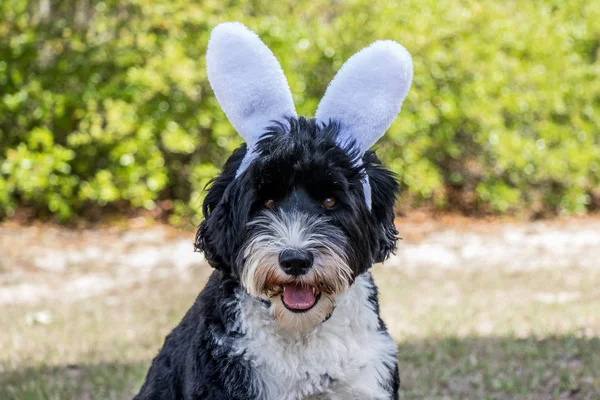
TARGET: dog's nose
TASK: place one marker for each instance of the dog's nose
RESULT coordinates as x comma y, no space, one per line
295,261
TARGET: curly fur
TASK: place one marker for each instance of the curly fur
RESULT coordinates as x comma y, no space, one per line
237,342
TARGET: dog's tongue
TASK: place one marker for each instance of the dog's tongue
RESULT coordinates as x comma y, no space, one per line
298,297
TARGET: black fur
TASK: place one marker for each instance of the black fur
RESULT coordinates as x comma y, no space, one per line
305,155
196,361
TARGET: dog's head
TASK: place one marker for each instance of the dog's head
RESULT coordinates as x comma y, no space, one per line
303,207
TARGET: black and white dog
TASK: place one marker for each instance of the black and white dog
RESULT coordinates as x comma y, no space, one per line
292,225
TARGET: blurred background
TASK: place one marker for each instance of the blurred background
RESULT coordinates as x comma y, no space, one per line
109,133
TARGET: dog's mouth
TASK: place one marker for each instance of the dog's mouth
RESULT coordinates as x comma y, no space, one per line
299,298
296,297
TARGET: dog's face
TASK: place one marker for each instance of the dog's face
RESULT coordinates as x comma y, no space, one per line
294,228
303,207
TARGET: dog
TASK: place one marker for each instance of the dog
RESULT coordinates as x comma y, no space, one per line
297,217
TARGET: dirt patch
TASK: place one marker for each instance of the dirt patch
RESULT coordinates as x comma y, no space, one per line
500,245
51,262
58,263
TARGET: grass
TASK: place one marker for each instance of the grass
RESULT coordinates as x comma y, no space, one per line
461,335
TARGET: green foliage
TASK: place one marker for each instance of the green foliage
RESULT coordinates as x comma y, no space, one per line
107,103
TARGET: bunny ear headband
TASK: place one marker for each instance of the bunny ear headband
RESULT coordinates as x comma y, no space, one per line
364,97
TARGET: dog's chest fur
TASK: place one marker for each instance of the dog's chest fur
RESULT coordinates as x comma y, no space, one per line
347,357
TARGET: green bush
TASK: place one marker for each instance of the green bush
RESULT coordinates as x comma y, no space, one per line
107,103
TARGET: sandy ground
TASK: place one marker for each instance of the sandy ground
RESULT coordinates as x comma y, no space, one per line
49,262
511,246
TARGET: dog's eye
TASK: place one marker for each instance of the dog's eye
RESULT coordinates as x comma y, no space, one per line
270,204
329,202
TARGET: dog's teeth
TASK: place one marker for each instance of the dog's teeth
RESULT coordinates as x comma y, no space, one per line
314,290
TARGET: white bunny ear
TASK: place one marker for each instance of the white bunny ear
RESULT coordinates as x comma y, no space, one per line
366,95
248,83
367,92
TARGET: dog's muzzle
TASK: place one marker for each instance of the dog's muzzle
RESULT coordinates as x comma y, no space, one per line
298,297
297,262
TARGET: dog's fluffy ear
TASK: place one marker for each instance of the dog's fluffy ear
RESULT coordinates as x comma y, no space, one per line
248,83
366,95
226,208
385,189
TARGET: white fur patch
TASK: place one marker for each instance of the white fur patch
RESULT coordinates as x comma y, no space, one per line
344,358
